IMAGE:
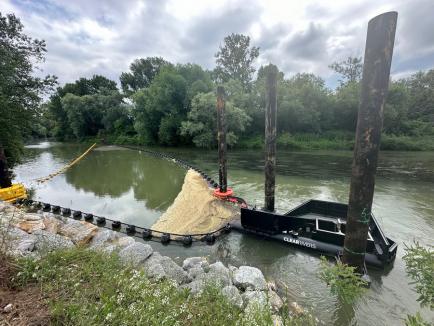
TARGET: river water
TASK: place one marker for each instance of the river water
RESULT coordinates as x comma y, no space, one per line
133,187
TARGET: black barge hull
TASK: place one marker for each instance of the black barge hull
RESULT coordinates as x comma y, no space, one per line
317,226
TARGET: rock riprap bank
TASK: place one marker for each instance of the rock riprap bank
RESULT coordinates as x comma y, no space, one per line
33,234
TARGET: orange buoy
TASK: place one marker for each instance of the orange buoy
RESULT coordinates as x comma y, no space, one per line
223,195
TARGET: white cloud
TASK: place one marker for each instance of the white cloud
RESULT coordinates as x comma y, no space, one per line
88,37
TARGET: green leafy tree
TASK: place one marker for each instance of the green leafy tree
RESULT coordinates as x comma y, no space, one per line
202,121
86,114
304,105
143,71
421,91
160,108
82,87
349,69
20,90
235,59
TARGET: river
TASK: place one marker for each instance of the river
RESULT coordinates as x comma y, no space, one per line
133,187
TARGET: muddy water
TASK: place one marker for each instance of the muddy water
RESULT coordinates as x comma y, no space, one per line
136,188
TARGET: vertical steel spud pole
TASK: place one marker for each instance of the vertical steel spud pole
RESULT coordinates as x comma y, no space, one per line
270,137
375,82
221,136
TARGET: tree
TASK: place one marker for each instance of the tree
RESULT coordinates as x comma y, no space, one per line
304,105
87,115
161,107
235,60
143,71
349,69
20,91
82,87
421,91
202,121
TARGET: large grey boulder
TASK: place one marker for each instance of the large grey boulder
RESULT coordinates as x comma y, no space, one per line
195,262
275,301
80,232
18,242
46,241
218,275
135,254
195,272
102,237
195,287
233,295
158,267
254,298
249,278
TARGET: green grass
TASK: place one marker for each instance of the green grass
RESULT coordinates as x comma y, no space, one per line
85,287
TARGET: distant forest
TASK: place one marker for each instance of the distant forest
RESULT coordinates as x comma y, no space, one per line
168,104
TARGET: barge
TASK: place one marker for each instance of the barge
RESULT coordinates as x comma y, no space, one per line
319,226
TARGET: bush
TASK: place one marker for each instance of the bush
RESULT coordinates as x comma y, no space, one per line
420,267
344,282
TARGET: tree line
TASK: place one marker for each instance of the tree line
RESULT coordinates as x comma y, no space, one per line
169,104
162,103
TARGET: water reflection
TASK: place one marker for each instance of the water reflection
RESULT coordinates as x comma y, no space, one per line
111,181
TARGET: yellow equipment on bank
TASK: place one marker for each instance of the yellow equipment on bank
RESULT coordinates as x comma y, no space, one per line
13,193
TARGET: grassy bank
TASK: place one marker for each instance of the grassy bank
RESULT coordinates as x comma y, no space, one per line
83,287
339,141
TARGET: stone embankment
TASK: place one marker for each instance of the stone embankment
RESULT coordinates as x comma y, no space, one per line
33,234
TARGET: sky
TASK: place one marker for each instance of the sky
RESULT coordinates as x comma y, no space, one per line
86,37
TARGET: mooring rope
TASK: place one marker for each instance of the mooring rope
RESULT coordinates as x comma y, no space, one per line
64,168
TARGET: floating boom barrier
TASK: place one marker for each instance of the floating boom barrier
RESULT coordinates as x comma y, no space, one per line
66,167
128,229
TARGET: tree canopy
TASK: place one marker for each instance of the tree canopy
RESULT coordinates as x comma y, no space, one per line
235,58
20,90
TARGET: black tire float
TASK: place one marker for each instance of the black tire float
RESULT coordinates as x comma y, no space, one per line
146,234
165,238
131,229
88,217
55,209
210,239
116,225
46,207
76,215
100,220
66,211
187,240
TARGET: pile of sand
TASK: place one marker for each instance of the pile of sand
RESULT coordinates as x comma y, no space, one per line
195,209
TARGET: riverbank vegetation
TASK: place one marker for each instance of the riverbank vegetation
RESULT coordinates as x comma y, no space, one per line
158,102
85,287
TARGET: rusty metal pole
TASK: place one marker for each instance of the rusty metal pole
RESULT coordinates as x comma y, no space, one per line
375,82
270,137
221,136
